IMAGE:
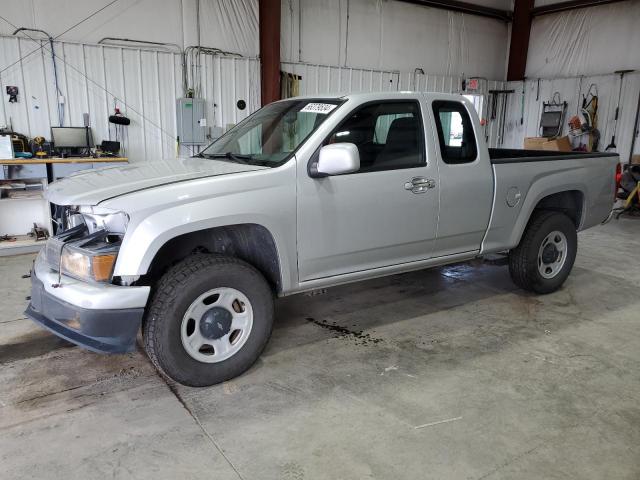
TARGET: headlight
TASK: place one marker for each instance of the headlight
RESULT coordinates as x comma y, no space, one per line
86,265
89,253
100,218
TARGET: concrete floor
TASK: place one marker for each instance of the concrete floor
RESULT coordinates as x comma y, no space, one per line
448,373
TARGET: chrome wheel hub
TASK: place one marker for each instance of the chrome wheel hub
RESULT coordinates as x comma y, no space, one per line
552,254
216,325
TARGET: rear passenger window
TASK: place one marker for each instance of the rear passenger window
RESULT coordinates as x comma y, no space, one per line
455,132
388,135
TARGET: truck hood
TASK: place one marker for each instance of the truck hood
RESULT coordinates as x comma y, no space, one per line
90,187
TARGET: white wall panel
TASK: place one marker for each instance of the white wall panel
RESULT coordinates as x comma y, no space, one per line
154,20
391,35
230,25
588,41
326,79
226,24
571,90
143,83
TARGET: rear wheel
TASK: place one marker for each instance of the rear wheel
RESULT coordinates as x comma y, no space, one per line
544,258
209,320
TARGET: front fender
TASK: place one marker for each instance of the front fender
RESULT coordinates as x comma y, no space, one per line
265,198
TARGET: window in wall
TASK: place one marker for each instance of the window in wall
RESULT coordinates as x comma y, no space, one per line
388,135
477,102
455,132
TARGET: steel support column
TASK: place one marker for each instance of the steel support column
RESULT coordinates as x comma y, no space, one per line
520,31
269,24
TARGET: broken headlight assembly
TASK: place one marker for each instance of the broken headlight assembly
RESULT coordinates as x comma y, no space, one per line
100,218
88,250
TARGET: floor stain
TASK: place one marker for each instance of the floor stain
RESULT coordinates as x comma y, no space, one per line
339,331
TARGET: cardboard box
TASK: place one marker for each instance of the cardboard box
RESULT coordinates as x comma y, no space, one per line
635,160
534,143
560,144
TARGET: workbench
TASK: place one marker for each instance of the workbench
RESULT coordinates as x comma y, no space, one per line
52,160
17,215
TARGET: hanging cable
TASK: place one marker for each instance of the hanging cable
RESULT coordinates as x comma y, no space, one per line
115,97
55,80
55,69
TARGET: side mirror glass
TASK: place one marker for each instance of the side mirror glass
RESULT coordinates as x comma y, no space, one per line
338,159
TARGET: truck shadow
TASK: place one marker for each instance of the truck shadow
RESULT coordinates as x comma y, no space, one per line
470,307
30,345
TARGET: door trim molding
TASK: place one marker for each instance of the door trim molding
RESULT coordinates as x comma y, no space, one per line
368,274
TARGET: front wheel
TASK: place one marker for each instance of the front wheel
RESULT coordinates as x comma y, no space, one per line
209,320
544,258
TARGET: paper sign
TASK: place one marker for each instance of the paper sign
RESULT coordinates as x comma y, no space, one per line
6,147
322,108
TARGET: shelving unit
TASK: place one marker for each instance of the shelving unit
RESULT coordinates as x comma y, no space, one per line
17,215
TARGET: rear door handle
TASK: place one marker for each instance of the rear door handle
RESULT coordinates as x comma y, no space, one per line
420,184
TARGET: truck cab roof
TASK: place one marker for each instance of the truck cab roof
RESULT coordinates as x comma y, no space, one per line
382,95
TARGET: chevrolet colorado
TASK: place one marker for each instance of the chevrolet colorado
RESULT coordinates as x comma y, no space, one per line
305,193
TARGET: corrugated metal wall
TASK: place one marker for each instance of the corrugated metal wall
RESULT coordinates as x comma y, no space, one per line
144,83
323,79
571,90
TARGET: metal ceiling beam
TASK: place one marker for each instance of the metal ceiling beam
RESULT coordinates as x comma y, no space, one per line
464,7
519,46
572,5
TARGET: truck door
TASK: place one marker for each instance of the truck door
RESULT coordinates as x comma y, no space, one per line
384,214
466,179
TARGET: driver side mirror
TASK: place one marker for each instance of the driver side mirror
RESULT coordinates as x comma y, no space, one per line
338,159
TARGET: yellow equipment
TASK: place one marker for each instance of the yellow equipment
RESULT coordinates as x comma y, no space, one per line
39,141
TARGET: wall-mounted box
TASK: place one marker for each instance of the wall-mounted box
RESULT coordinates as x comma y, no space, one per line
191,121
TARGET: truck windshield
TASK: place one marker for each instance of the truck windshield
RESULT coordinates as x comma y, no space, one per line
271,135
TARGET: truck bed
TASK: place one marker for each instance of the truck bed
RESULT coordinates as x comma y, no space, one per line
513,155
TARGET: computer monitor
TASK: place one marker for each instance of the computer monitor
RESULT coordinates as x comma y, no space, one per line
71,137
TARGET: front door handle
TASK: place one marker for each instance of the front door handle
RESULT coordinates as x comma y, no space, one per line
420,184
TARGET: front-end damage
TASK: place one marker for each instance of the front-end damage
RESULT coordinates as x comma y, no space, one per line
74,293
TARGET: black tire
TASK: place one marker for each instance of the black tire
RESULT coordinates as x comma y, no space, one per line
523,260
176,290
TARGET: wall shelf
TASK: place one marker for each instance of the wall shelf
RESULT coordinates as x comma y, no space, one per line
21,245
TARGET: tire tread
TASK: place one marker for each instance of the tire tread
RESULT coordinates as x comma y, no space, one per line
166,292
522,272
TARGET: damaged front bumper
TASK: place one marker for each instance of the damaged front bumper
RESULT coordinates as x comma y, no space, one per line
103,318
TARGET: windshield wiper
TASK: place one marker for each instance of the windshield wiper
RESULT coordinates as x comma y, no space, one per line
236,157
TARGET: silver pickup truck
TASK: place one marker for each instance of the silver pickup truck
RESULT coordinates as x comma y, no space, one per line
304,194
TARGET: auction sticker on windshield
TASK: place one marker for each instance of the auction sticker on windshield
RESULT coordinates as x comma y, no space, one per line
322,108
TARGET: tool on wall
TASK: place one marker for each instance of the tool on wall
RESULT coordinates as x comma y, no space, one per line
552,117
119,122
636,131
613,145
585,122
495,94
524,82
13,94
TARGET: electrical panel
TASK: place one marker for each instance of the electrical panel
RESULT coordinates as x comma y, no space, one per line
191,121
